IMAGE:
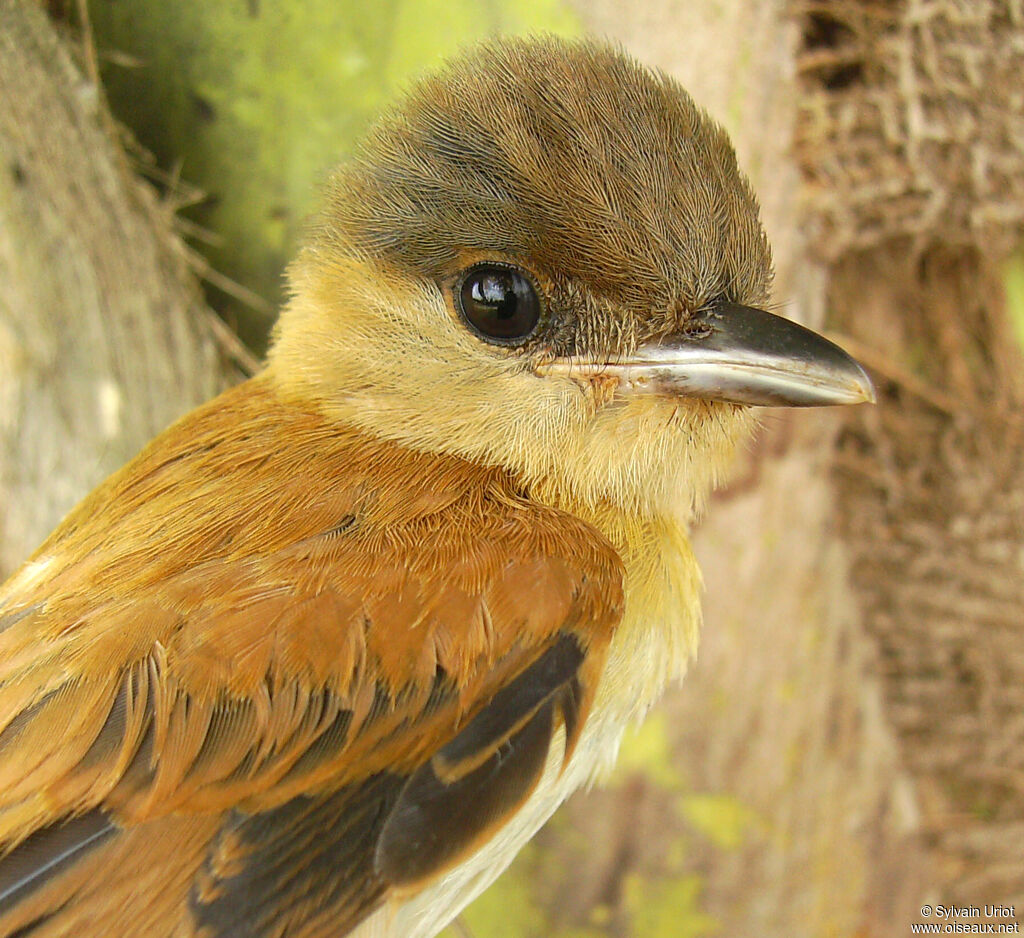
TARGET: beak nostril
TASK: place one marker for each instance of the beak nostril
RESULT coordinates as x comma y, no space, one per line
697,330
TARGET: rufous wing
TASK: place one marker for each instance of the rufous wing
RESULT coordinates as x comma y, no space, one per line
273,671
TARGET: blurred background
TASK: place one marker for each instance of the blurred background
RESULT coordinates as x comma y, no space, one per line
849,745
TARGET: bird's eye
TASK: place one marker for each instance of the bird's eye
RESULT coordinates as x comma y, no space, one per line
499,303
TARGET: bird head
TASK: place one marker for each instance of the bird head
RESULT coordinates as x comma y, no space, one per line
546,259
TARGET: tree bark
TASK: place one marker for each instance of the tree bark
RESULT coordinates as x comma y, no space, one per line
104,335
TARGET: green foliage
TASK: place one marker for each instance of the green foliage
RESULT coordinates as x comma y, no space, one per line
724,820
508,909
669,909
577,933
647,750
254,102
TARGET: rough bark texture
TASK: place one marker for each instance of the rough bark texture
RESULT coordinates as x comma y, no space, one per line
933,511
104,336
910,138
910,124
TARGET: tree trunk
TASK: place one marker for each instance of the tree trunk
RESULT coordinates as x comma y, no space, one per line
104,336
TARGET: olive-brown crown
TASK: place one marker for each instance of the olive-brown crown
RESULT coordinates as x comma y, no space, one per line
568,158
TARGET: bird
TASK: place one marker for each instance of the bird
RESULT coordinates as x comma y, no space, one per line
328,652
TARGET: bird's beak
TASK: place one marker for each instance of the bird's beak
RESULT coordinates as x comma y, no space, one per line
742,355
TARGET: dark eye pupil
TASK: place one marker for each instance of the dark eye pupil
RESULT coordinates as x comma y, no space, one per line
495,291
499,303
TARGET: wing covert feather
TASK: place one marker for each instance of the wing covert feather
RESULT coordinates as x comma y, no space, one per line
261,609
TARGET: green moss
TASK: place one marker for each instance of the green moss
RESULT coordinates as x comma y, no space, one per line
425,31
254,102
1013,279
